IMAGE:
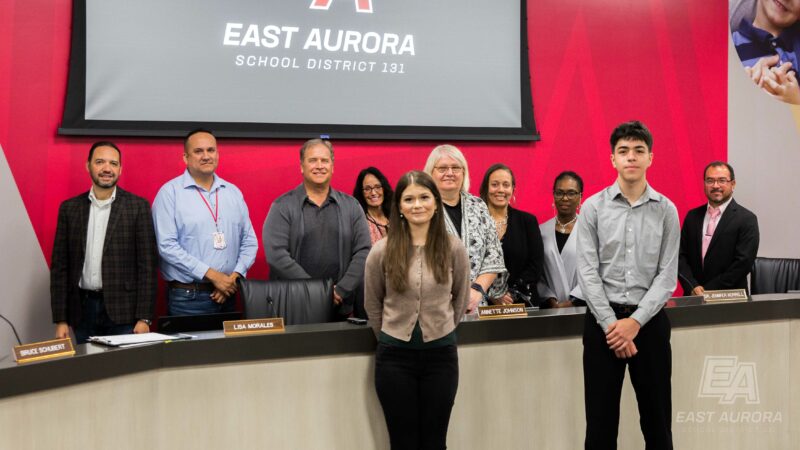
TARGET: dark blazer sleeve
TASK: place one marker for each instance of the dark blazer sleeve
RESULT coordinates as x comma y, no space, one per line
747,240
687,252
146,261
534,265
59,264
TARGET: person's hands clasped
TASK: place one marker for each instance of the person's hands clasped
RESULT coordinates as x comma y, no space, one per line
621,333
506,299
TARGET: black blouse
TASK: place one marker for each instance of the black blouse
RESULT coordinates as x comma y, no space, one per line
523,251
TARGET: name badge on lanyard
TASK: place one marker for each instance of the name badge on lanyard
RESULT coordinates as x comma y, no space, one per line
219,240
218,237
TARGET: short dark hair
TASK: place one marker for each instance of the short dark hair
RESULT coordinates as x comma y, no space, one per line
358,190
632,131
192,133
569,174
312,142
104,144
484,190
719,164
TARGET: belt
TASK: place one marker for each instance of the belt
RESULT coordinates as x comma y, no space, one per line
621,309
203,287
94,294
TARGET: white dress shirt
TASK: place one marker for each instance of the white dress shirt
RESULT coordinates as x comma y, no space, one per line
99,212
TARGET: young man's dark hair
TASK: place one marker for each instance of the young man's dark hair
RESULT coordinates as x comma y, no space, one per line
193,132
719,164
633,130
103,144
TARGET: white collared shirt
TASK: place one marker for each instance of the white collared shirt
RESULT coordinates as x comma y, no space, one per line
707,216
99,212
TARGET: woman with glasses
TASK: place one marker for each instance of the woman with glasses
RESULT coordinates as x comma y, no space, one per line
374,194
560,263
467,217
416,287
519,233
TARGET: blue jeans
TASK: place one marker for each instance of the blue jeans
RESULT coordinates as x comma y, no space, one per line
95,320
186,302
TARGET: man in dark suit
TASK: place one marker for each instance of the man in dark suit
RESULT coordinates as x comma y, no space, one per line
103,271
719,240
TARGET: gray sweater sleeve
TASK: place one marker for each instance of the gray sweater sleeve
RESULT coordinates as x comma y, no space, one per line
362,243
276,236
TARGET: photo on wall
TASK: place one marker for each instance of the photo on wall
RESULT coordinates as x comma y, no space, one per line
766,34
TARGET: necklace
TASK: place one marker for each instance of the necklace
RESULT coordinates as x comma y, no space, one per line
564,226
500,225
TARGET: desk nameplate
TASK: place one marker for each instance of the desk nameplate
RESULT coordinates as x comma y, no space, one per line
502,311
43,350
253,326
724,296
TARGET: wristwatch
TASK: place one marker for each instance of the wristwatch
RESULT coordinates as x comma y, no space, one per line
479,288
147,321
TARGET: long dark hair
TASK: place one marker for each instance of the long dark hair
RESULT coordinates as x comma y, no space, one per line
358,190
398,241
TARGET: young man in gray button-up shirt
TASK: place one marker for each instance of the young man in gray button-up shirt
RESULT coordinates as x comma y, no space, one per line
628,241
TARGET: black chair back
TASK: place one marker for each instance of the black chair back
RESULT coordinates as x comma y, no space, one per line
297,301
775,275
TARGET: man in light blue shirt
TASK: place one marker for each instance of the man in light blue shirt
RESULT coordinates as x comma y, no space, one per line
204,234
628,240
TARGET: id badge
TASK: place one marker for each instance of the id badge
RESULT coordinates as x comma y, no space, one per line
219,240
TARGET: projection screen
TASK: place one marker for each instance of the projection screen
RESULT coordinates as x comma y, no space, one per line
370,69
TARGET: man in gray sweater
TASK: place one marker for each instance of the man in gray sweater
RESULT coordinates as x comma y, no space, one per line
314,231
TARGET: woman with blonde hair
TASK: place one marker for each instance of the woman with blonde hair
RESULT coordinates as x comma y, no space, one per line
467,217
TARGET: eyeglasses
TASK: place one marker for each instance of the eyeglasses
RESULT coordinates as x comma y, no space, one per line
569,195
720,181
444,169
376,188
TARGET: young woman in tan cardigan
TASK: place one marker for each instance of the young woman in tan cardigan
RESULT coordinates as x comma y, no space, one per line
416,291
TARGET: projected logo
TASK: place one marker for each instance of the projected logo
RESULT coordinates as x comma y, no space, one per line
726,378
362,6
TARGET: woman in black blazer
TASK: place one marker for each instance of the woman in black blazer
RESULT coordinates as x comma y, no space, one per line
519,234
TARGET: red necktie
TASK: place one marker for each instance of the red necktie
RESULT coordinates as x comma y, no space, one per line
714,214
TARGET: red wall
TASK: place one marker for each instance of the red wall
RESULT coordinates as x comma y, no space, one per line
594,63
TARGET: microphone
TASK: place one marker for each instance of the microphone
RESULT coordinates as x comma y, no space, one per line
12,328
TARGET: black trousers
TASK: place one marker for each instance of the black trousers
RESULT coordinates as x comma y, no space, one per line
416,389
651,373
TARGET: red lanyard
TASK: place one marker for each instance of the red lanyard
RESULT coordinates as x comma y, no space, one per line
215,213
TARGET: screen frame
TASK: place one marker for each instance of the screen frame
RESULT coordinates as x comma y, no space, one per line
74,122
